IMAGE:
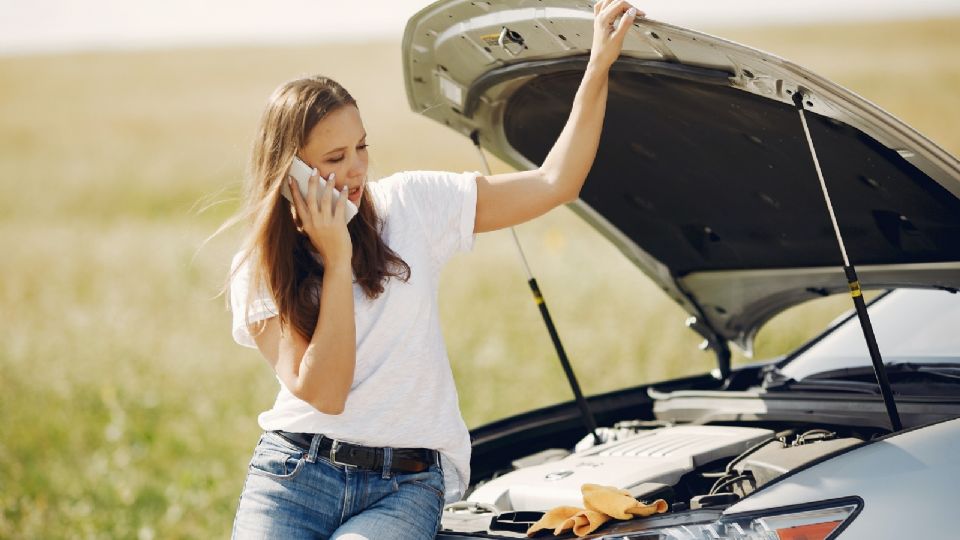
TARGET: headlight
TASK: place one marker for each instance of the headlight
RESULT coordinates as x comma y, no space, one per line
817,521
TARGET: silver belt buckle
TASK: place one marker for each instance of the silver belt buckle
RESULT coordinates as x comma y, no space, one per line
334,444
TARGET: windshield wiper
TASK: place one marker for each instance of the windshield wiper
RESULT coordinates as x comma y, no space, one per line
861,379
859,387
945,372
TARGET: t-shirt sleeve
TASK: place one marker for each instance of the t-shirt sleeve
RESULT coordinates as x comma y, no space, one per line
261,307
446,204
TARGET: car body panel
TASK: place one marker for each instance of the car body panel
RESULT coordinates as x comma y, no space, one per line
921,461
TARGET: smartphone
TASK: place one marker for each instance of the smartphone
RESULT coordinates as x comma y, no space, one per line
301,172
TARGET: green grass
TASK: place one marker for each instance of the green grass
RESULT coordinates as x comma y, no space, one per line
128,412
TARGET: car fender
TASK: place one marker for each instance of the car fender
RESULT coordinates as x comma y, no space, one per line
907,481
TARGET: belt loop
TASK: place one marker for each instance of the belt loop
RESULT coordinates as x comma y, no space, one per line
387,462
314,445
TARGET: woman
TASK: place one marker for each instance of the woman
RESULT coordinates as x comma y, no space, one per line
365,439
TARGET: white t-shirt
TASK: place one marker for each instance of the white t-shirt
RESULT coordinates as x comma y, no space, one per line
403,393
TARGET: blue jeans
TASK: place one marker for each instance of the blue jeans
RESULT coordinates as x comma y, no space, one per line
292,494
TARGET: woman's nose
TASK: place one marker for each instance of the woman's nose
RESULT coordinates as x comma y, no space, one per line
358,167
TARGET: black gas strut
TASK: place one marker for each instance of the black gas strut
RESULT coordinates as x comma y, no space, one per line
853,282
587,416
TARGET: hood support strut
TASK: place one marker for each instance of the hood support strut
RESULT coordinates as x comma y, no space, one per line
585,413
853,282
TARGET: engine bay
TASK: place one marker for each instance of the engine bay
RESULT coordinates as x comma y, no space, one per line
692,467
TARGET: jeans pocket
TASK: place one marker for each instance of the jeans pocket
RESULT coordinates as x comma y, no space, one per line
430,481
275,463
429,487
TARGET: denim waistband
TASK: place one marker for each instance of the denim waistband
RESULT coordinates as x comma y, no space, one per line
404,460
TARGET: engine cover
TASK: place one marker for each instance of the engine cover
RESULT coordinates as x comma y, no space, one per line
659,456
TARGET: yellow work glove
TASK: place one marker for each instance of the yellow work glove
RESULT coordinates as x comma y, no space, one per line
603,503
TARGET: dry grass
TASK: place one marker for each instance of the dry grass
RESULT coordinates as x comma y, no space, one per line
127,410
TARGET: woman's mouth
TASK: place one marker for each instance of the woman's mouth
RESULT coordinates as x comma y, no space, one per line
353,194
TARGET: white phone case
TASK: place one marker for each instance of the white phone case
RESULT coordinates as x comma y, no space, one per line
301,172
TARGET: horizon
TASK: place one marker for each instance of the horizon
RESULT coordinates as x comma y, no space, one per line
99,25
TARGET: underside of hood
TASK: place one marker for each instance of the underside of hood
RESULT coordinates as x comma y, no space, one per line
704,177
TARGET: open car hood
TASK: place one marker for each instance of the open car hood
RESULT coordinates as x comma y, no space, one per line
703,178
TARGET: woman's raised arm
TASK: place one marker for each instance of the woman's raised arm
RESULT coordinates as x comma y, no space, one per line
504,200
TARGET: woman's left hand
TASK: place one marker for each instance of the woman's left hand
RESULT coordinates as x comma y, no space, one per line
607,39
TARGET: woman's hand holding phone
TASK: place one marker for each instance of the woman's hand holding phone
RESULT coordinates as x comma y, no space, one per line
301,172
324,221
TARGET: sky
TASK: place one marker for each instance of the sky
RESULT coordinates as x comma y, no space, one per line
29,26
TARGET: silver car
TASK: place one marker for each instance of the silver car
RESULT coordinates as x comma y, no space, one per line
742,185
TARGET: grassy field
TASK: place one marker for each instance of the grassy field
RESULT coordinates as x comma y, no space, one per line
128,412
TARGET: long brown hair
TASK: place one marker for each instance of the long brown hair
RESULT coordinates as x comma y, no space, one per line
281,257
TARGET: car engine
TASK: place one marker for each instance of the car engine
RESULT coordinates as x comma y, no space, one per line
659,456
691,466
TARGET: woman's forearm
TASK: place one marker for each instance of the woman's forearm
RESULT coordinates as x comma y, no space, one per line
507,199
568,162
326,368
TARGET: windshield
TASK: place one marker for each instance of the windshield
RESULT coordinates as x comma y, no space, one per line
911,325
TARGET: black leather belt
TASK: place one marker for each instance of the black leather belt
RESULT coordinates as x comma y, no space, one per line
407,460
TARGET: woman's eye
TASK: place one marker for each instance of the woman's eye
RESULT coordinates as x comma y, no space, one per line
363,146
335,160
